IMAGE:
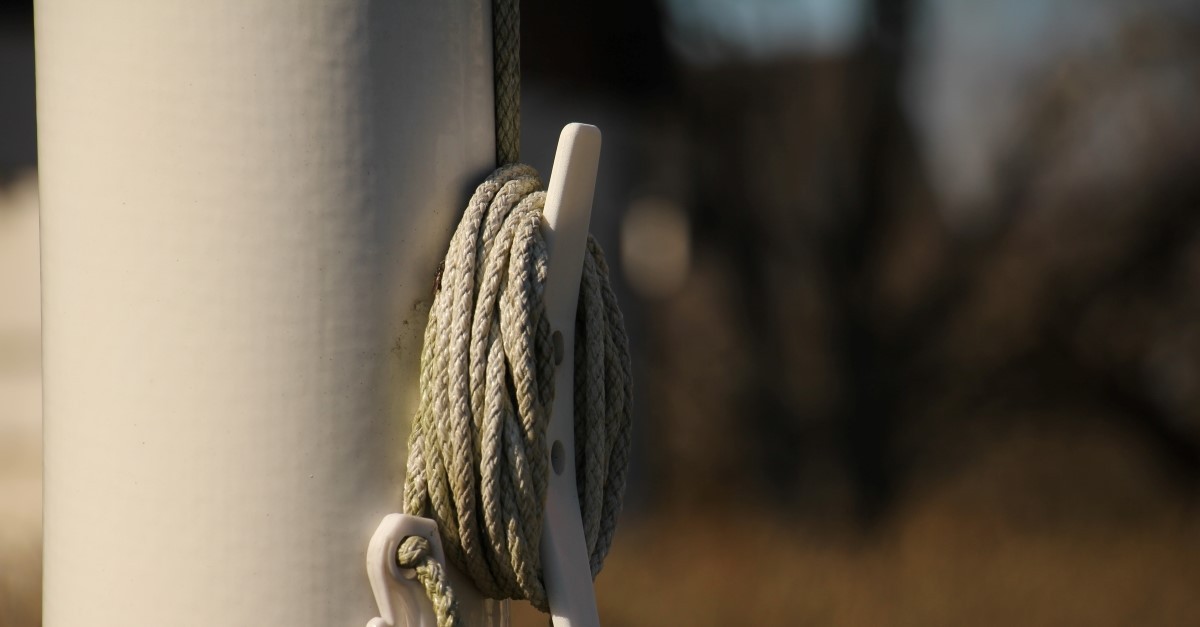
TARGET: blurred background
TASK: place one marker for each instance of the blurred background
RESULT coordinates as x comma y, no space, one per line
913,288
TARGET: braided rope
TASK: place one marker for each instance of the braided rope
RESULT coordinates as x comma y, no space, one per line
478,462
478,456
416,553
506,61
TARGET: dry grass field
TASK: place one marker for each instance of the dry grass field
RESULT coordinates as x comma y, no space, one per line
1045,529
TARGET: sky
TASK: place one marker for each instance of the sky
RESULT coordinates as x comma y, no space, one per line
706,31
972,66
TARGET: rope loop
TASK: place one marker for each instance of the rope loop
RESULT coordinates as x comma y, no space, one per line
478,455
478,460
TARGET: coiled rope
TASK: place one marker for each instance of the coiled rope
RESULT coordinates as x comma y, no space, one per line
478,460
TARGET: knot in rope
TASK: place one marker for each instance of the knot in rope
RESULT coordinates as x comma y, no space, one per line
416,553
478,457
413,552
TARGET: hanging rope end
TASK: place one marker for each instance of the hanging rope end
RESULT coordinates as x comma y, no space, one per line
403,549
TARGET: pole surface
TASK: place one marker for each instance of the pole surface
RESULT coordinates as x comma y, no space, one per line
243,208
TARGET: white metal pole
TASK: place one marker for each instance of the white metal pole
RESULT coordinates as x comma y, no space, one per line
243,207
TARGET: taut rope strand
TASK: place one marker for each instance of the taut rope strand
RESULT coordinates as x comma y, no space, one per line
506,61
